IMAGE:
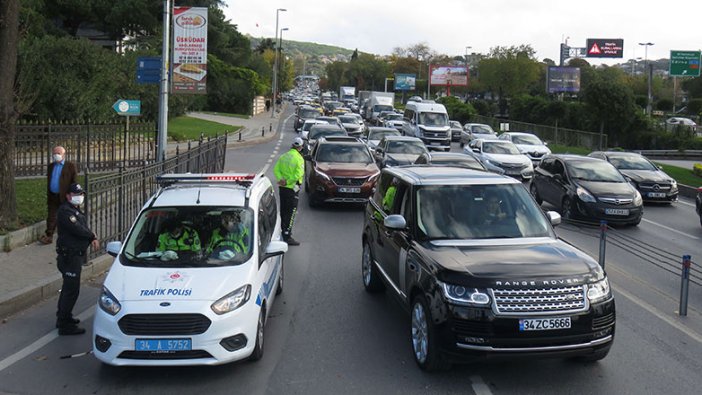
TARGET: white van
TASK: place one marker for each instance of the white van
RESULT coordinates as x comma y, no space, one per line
429,122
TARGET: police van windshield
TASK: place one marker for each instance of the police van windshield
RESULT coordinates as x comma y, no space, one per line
479,212
190,237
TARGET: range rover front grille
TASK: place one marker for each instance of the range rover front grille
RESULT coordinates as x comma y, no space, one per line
539,300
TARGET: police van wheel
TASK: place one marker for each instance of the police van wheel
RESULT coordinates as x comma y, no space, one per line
279,290
258,348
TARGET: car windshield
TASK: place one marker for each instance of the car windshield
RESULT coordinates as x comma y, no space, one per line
500,147
631,162
316,133
308,125
406,147
479,212
308,113
481,129
190,237
344,153
526,139
594,170
381,107
393,117
468,162
348,119
379,134
433,119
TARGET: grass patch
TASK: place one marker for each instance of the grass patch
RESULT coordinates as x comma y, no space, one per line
186,128
565,149
682,175
226,114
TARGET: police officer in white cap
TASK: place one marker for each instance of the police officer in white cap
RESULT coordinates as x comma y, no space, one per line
289,171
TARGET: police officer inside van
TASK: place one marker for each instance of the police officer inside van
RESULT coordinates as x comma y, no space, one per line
178,237
230,238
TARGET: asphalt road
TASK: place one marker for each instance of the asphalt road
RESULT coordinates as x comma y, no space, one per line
326,335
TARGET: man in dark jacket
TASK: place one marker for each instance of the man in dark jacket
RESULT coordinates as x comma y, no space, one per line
60,175
74,237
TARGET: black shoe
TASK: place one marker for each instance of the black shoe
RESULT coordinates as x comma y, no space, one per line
70,321
71,330
292,242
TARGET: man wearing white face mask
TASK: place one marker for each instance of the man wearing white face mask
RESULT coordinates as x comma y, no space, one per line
60,175
231,236
74,237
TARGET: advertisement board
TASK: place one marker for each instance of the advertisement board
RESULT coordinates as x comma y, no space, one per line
189,50
605,48
448,75
563,79
405,82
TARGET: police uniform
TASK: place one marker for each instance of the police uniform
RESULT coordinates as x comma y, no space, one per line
187,241
74,237
222,239
291,168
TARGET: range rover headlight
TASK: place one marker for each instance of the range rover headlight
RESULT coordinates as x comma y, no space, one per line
599,291
461,295
108,303
232,300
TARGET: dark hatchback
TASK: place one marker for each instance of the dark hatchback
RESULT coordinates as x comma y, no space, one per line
586,188
398,151
479,267
652,182
340,170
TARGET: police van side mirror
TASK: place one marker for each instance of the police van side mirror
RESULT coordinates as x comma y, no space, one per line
113,248
274,248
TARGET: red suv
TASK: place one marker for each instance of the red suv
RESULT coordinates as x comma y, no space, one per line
340,170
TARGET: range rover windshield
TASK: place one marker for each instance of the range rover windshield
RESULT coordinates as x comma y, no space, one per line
190,237
478,212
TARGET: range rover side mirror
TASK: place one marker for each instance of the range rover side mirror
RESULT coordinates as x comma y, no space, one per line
554,217
395,222
113,248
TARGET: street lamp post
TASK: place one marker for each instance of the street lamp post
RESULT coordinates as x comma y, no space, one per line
649,73
275,66
279,50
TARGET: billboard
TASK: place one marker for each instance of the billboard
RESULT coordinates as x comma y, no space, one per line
448,75
189,50
605,48
563,79
405,82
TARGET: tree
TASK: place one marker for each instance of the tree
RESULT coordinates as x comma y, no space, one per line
9,42
509,71
611,103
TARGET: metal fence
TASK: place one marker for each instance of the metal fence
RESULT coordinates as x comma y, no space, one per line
114,200
552,134
103,147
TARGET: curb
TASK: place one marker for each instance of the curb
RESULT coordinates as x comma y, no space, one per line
49,287
22,237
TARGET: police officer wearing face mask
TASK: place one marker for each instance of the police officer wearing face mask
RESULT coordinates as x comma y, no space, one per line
74,237
232,235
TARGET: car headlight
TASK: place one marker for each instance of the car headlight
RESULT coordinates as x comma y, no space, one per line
584,195
673,184
108,303
232,300
599,291
467,296
321,175
374,177
637,198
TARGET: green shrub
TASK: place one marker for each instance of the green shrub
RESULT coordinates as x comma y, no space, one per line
697,169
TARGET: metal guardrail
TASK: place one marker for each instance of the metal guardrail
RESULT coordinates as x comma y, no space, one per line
552,134
101,147
114,200
672,154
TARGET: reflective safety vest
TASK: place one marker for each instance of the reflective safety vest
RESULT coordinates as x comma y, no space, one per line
291,167
188,241
238,241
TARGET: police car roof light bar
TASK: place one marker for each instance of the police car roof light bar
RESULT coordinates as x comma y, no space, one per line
244,179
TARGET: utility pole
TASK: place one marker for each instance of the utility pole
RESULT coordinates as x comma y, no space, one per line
163,91
649,72
275,65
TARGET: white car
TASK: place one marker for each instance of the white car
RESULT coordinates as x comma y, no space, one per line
528,144
200,298
502,154
305,130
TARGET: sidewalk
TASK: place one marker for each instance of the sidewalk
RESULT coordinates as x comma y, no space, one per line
28,274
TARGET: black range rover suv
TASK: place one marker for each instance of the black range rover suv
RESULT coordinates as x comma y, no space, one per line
478,265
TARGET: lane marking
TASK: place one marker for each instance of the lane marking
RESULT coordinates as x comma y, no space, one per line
41,342
670,229
479,386
691,333
686,203
265,168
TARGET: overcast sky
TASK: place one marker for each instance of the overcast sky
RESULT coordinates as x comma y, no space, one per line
448,26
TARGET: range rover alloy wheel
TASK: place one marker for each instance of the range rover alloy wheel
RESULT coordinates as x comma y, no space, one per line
424,348
371,278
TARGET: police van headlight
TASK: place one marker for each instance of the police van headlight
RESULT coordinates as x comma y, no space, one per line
108,303
599,291
232,300
459,294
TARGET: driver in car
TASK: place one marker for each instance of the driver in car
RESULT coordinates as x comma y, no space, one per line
230,238
178,237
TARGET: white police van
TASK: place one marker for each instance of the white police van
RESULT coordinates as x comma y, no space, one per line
199,301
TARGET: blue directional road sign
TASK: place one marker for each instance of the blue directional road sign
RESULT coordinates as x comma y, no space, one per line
148,70
127,107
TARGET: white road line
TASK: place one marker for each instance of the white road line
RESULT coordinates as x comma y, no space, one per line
677,325
39,343
479,386
265,168
670,229
686,203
